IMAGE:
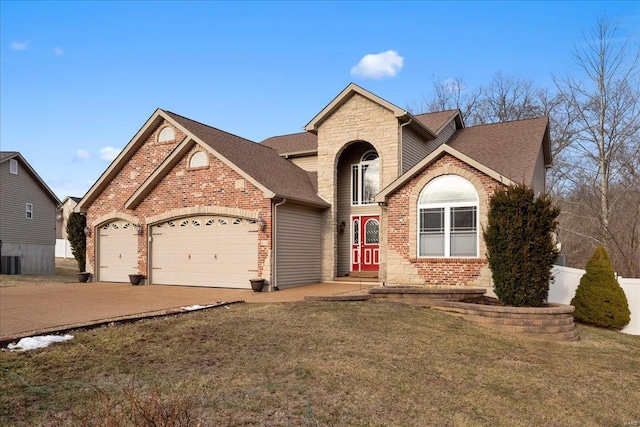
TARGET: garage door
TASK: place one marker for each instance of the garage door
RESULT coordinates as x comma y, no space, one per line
212,251
118,251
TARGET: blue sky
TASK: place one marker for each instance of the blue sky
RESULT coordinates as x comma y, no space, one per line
78,79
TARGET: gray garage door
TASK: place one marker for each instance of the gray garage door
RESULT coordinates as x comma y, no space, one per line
211,251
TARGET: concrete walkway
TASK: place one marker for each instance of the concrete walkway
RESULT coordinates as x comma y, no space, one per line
32,310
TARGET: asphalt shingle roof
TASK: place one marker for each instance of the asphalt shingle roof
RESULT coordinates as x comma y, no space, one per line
509,148
261,162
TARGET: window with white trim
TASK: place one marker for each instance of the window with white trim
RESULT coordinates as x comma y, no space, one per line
13,166
365,179
29,211
448,218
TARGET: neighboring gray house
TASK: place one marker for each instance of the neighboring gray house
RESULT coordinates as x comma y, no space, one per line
27,218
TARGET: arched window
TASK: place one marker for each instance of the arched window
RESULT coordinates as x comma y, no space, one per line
199,159
166,134
448,218
365,179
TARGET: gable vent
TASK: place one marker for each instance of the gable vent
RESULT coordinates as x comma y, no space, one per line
198,159
166,134
13,166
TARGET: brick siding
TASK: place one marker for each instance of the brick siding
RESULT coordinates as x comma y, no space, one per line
198,189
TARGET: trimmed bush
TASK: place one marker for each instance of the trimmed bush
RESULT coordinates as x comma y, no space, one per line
521,248
599,299
75,234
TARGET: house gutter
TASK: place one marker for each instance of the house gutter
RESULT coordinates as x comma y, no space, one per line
274,241
400,145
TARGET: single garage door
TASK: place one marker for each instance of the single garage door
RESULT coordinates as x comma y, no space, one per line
117,251
211,251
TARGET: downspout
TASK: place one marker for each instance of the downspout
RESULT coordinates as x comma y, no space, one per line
274,241
400,145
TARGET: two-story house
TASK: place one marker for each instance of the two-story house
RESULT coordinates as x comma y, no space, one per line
367,190
27,218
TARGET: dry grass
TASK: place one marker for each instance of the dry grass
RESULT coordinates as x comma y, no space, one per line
66,270
361,364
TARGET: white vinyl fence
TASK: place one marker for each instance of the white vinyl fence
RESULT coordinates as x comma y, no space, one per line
563,289
63,249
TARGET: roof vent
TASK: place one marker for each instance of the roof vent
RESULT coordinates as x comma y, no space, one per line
166,134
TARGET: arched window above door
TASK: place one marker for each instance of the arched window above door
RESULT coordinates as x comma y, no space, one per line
365,179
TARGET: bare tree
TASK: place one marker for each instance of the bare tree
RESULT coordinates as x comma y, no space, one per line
508,98
604,146
449,94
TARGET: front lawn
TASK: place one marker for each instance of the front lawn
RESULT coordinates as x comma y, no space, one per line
321,364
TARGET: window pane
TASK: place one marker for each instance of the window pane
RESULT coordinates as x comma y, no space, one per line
356,232
431,244
463,244
463,231
431,232
372,229
354,184
370,182
448,189
463,219
432,220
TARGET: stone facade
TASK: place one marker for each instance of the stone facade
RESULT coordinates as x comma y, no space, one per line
357,119
183,191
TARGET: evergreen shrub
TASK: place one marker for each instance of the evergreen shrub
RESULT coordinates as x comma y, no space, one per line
599,299
75,234
521,246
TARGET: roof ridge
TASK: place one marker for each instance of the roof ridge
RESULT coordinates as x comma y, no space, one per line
507,122
217,129
288,134
436,112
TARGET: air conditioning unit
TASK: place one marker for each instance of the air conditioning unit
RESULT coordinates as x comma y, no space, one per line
11,264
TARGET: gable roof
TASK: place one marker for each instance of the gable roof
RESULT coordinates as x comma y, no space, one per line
261,163
5,156
437,120
402,115
505,151
262,166
304,143
509,148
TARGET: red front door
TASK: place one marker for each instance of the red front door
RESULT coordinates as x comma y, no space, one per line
365,243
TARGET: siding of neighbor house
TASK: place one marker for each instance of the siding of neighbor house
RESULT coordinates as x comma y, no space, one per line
32,239
414,148
308,163
298,246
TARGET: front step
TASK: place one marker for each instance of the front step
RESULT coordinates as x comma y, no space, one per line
372,281
367,274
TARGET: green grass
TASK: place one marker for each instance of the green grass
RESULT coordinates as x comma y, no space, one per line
360,364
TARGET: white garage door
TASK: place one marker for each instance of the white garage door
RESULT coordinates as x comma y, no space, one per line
209,251
118,251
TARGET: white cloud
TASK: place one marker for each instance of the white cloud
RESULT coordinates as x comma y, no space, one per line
58,51
81,155
19,46
379,65
109,153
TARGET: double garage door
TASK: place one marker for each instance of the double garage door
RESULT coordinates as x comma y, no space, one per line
211,251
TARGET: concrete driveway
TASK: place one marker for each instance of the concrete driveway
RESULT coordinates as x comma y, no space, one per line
33,310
